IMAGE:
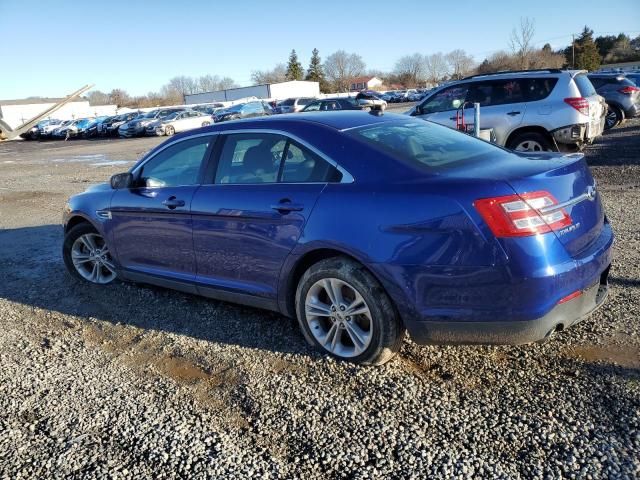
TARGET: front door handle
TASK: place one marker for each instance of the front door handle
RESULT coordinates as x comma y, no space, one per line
513,113
172,202
285,206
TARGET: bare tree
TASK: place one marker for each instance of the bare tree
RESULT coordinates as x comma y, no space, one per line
96,97
411,69
436,67
340,67
119,97
460,64
227,82
520,42
278,74
498,62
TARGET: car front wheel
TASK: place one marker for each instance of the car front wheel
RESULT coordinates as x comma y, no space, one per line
344,311
87,256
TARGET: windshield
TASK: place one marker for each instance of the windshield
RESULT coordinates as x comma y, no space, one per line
151,114
172,116
424,144
235,108
288,102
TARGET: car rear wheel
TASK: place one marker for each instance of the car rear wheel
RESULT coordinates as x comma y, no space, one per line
87,256
530,142
169,130
614,117
343,311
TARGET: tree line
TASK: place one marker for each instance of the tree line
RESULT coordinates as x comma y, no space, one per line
338,70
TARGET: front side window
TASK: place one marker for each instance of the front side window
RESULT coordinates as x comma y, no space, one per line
450,98
176,165
250,158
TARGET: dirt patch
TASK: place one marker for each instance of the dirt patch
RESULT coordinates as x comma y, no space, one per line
623,355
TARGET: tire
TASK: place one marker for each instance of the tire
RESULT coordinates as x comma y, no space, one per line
86,255
206,124
614,117
372,335
169,130
530,142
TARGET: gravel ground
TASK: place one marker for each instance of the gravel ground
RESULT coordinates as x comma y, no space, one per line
131,381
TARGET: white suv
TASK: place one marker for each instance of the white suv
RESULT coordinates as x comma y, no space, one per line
532,110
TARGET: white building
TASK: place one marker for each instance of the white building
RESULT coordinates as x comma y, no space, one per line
16,112
364,83
273,91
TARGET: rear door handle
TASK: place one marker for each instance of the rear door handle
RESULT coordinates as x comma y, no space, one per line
513,113
285,206
172,202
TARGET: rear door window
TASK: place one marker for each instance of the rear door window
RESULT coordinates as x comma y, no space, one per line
303,166
584,85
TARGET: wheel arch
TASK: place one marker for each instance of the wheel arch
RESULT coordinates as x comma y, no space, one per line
77,219
530,129
305,261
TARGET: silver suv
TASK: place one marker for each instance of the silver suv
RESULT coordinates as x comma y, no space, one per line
532,110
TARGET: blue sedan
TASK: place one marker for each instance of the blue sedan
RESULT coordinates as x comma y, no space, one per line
361,225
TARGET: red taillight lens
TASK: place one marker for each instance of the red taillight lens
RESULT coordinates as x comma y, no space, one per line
629,90
579,103
520,215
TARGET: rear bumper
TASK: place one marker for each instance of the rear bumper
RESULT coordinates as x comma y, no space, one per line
633,111
562,316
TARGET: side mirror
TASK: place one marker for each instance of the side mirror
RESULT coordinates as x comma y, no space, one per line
417,111
122,180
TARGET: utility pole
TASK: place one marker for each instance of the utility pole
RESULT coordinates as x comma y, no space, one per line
573,51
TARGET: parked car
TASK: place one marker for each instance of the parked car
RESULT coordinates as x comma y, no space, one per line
178,122
47,130
73,129
110,127
370,99
332,104
292,105
536,110
462,242
92,129
243,110
137,126
389,97
621,94
34,132
209,108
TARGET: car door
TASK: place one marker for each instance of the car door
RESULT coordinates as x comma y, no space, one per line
252,213
151,223
441,107
502,106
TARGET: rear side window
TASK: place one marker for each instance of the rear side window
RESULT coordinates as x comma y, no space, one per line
584,85
302,166
535,89
424,144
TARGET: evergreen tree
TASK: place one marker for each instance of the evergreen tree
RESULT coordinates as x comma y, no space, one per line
315,73
294,67
587,55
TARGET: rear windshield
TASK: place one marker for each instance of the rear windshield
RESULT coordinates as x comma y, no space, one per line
424,144
288,102
584,85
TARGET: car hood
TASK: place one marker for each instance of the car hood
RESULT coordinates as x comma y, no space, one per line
99,187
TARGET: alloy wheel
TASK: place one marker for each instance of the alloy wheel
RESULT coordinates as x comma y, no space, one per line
91,258
338,317
611,119
529,146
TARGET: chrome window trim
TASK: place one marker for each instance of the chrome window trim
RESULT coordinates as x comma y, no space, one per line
346,176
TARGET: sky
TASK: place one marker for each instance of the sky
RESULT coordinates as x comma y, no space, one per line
50,48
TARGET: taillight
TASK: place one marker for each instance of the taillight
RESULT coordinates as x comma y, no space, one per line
629,90
521,215
579,103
